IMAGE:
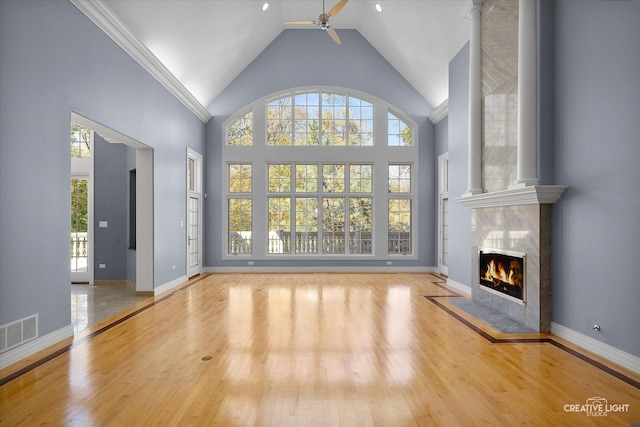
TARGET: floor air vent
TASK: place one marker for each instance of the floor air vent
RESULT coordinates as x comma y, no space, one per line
18,332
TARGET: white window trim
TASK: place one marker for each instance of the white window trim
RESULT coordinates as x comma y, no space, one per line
379,155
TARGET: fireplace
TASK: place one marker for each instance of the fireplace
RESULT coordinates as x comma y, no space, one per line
503,273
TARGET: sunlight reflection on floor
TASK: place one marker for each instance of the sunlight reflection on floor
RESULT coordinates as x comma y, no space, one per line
93,304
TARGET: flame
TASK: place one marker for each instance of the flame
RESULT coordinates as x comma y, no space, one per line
499,272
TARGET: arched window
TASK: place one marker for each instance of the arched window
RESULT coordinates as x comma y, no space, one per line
320,173
240,132
399,132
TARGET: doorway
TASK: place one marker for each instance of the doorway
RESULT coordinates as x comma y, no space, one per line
144,202
81,239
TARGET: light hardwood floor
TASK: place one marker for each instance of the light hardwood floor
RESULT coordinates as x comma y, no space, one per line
311,350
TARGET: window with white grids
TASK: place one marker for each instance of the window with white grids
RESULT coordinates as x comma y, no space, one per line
330,174
313,213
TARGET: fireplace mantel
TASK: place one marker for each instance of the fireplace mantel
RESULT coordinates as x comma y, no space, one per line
527,195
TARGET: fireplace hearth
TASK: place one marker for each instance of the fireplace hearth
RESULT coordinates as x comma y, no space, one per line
502,273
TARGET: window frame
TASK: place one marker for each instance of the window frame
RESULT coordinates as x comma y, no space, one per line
379,155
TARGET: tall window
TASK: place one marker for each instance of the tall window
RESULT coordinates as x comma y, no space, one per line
312,215
240,178
240,213
399,209
320,181
360,122
241,131
400,226
399,178
240,219
399,132
80,141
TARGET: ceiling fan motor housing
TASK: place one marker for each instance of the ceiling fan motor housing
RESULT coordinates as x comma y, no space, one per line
323,20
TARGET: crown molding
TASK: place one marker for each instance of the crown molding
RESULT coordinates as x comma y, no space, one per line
529,195
101,15
440,112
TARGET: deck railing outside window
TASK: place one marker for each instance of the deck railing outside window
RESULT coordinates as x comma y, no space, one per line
79,254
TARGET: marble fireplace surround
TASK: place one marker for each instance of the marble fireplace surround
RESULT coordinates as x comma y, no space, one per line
510,210
518,220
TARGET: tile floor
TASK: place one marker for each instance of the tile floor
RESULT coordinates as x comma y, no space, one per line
491,317
93,304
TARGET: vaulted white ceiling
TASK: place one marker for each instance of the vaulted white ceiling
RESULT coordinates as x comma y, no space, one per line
205,44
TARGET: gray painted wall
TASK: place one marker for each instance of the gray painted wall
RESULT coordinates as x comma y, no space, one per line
596,239
111,188
54,60
442,137
545,108
459,216
288,63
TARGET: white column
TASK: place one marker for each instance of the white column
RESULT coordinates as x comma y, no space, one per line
475,101
527,96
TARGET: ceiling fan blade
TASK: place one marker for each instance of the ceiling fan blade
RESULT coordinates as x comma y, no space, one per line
337,8
299,22
334,35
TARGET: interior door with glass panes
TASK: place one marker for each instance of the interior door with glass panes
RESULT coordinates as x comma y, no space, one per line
194,213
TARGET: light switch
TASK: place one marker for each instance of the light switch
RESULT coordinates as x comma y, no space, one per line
103,224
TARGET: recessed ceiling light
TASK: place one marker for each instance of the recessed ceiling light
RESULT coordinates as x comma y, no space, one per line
265,6
378,7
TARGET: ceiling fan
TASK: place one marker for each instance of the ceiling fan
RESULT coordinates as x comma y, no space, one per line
323,20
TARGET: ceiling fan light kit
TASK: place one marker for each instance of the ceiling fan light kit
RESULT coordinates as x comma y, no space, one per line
323,20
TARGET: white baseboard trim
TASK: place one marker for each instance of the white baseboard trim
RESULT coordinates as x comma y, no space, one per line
311,269
27,349
620,357
169,285
466,289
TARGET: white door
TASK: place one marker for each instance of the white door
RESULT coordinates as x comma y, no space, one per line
443,214
443,265
194,213
193,236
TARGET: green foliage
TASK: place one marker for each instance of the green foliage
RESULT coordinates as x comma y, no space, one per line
302,123
79,205
279,214
279,178
240,176
239,215
307,178
80,141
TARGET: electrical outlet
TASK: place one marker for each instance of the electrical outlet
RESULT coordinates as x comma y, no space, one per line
102,265
173,267
389,262
250,262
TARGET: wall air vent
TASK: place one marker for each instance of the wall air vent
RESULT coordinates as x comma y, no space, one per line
19,332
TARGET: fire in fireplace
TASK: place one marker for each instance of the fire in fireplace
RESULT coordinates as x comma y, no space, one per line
503,272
